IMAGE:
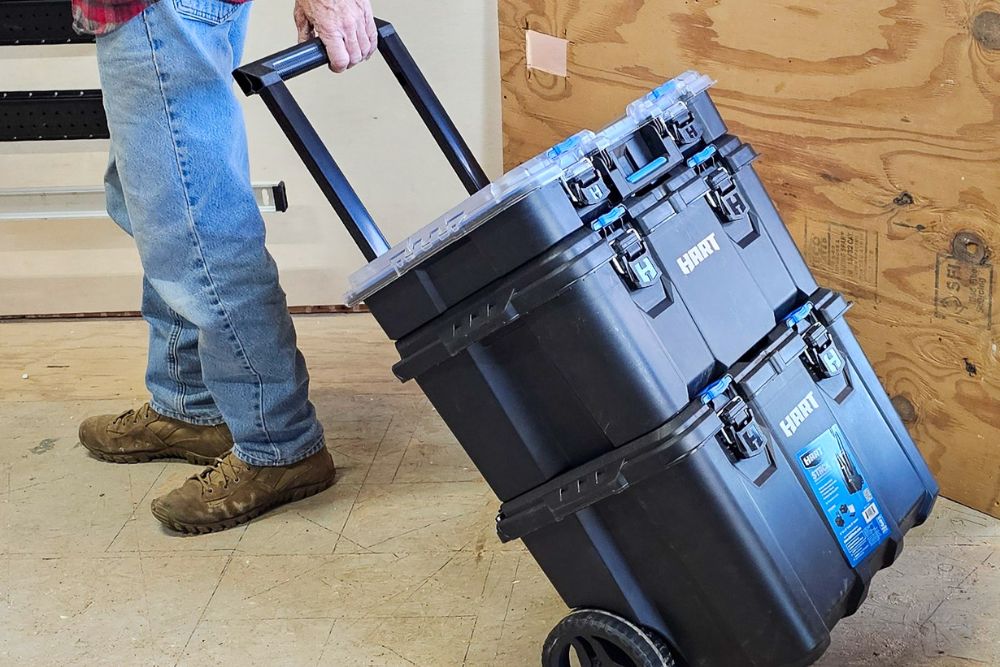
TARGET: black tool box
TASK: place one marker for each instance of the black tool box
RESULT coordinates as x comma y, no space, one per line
623,336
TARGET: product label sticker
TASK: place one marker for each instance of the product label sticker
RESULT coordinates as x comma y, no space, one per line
840,487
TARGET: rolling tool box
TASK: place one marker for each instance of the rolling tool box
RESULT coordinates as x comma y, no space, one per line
624,338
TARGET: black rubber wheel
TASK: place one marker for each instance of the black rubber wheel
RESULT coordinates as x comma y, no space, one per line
601,639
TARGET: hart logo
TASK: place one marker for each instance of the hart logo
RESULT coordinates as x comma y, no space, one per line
690,260
799,414
813,457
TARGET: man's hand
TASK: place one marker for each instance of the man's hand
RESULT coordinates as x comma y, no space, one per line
347,28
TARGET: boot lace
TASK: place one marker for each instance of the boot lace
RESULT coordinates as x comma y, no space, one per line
221,472
130,417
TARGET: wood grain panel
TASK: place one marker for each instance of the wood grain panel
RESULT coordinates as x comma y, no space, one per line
878,125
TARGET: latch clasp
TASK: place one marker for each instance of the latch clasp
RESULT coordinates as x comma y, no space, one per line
683,130
632,259
822,354
587,188
725,197
741,432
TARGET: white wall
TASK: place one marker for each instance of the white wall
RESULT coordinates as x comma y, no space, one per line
89,265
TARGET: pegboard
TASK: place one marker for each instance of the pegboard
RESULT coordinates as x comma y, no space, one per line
52,115
25,22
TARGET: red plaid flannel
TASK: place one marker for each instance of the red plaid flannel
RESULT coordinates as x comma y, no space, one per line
99,17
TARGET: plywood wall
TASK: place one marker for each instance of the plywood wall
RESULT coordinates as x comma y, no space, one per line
879,124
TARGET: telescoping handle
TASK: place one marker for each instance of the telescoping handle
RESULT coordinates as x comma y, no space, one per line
267,78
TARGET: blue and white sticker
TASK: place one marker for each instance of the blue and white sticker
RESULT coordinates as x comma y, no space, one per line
842,491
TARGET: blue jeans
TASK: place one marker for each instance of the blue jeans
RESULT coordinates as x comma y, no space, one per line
222,346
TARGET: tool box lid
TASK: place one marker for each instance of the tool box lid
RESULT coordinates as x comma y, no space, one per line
562,161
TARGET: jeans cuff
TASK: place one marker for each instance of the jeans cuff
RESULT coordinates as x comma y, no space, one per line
242,455
213,420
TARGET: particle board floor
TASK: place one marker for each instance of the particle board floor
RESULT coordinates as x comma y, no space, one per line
396,565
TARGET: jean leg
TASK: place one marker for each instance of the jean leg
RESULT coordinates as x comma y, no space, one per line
173,367
182,158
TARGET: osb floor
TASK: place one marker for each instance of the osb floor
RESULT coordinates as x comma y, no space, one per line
396,565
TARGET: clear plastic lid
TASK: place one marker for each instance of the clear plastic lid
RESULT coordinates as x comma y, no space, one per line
564,160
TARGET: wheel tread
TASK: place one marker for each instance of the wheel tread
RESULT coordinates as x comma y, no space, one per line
642,646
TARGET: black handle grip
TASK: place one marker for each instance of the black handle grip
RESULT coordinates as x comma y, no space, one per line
266,77
281,66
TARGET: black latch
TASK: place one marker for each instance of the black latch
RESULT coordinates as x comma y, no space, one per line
632,260
741,431
587,188
822,354
725,196
684,130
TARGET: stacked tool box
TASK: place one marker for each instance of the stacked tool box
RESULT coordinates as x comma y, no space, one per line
623,336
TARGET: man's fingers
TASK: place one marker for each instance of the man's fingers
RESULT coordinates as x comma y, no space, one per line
372,33
305,33
364,43
371,29
336,50
346,27
353,48
302,24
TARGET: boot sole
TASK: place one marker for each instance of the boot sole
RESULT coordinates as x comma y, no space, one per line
145,457
290,496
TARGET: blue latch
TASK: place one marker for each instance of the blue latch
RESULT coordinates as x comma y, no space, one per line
716,389
799,314
612,216
647,170
668,88
701,157
562,147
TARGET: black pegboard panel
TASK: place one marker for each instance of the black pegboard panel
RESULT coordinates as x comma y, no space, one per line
24,22
52,115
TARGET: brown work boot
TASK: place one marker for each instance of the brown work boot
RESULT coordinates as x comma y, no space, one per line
137,436
230,492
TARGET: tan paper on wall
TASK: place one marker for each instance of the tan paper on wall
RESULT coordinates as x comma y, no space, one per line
546,53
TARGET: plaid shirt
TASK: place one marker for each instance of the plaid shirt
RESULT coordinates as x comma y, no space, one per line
99,17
